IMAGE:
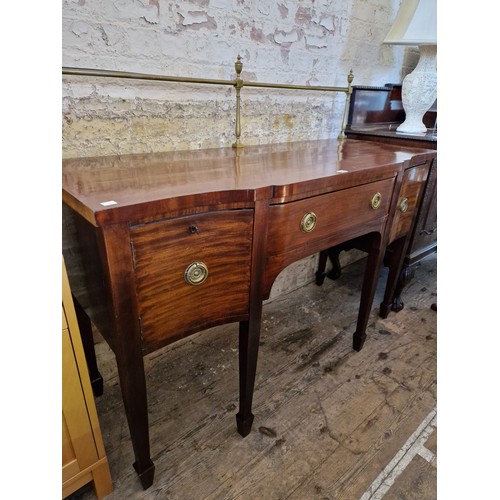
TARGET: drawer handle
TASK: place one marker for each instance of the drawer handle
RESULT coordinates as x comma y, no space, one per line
308,222
403,206
376,201
196,273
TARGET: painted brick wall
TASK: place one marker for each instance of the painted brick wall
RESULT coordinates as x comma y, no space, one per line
312,42
301,42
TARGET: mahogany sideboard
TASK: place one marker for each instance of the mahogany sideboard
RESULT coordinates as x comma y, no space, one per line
374,115
160,246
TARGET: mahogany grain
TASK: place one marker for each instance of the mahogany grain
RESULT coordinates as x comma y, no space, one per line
411,190
340,215
142,219
169,307
148,186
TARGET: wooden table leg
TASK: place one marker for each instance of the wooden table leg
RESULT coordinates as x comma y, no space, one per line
320,273
333,253
372,270
248,352
249,331
392,288
133,387
85,326
405,277
335,272
128,345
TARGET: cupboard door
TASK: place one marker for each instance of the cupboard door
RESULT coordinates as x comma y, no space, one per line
425,232
191,272
83,455
78,447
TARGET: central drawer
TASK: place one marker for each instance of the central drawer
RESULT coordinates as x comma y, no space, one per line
304,227
191,272
310,225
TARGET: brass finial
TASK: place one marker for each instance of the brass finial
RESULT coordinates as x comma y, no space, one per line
350,77
342,136
238,66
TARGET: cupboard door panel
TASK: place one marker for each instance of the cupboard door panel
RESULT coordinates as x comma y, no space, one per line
70,465
76,425
191,272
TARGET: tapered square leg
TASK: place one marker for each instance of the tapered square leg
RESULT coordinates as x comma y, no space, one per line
370,280
85,327
392,291
244,425
358,341
146,473
248,352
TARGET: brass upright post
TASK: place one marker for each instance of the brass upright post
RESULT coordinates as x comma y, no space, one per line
238,65
348,92
237,84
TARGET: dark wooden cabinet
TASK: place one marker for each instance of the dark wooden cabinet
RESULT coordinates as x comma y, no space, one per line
374,114
160,246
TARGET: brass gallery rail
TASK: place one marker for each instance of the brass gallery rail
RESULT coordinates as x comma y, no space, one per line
238,83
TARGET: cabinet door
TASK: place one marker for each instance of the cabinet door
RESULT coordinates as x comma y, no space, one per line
425,233
78,447
192,272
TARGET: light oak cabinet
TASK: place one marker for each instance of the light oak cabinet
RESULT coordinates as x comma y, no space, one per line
83,455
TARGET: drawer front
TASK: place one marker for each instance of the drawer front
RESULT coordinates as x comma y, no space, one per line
425,232
308,226
412,189
191,273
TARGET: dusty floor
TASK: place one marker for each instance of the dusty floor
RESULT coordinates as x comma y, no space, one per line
330,423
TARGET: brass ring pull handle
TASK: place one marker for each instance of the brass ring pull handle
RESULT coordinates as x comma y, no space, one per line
308,222
196,273
403,206
376,201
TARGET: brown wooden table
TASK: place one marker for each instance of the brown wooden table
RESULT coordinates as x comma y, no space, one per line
160,246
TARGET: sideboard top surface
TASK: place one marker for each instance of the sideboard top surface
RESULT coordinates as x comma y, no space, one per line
129,188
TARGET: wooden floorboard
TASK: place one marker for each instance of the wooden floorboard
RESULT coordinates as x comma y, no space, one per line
328,419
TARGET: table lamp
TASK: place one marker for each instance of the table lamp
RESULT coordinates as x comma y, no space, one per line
415,25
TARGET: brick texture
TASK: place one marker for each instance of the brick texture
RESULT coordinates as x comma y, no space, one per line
298,42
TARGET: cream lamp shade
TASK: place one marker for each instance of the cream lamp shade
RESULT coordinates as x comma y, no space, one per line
416,25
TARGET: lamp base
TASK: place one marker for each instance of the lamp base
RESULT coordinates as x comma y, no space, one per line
419,91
